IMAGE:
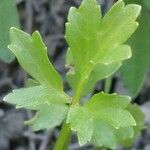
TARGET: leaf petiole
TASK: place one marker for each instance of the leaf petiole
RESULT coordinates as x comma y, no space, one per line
107,84
62,141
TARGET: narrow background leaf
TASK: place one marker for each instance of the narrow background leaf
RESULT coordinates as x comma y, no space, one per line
8,18
134,70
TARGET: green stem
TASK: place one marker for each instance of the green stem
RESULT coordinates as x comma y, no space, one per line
78,92
107,84
62,141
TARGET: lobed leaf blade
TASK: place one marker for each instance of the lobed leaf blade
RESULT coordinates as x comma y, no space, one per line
45,93
81,121
103,114
99,40
32,96
100,71
48,116
35,60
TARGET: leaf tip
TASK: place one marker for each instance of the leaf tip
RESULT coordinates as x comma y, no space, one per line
138,8
137,24
6,98
9,46
36,33
13,29
120,3
135,10
18,106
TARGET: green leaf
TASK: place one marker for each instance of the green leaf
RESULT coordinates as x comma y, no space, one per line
103,135
102,115
82,122
48,116
137,66
124,136
31,82
80,33
124,133
95,40
49,103
137,114
111,108
114,117
32,96
100,71
69,59
139,118
45,93
104,100
9,18
32,56
122,52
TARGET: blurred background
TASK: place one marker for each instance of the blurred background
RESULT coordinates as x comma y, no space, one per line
49,17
